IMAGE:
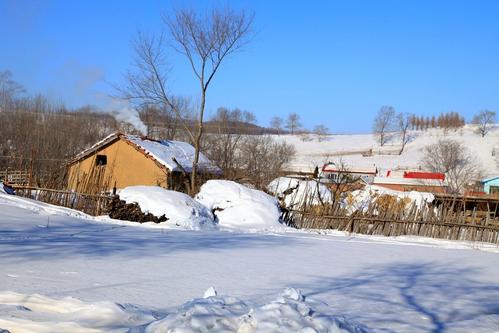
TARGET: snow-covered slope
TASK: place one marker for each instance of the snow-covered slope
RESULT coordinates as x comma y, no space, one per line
349,148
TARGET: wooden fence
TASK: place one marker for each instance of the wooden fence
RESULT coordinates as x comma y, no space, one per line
392,227
453,218
15,177
92,204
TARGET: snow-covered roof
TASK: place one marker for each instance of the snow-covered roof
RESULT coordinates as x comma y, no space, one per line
165,152
332,167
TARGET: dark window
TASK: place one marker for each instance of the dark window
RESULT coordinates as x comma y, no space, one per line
101,160
494,189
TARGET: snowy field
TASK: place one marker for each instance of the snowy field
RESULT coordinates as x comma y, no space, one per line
62,271
349,148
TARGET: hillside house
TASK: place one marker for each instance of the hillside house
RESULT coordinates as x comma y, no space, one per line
491,185
122,160
406,181
332,173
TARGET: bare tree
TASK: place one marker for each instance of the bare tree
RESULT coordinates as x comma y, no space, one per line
8,90
485,121
293,122
341,181
453,159
248,117
276,124
222,146
205,41
321,131
403,124
383,123
261,158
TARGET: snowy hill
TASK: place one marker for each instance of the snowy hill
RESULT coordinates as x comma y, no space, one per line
350,148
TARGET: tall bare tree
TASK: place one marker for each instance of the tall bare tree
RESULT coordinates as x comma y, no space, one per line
8,90
453,159
383,123
293,122
485,121
403,124
205,40
276,124
321,131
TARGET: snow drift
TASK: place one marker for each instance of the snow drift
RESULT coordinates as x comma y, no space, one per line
239,207
294,193
180,209
22,313
289,312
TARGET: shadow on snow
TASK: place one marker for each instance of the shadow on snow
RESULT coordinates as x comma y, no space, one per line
420,297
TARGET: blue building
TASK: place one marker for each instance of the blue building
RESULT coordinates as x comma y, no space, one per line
491,185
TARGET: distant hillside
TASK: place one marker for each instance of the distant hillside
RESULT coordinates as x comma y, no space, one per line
351,148
238,127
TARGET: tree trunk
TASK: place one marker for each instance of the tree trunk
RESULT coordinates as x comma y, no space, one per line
403,144
197,144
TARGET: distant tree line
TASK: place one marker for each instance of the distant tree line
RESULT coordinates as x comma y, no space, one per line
292,125
448,120
39,136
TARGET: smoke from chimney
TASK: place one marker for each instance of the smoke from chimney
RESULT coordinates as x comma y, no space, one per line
124,113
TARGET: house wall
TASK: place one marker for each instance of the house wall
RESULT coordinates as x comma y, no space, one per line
125,165
333,177
487,185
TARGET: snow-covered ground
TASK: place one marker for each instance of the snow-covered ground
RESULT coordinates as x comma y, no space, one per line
349,148
63,271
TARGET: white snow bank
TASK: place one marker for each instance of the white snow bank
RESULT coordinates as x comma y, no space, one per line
40,207
295,192
21,313
1,188
239,207
180,209
290,312
360,199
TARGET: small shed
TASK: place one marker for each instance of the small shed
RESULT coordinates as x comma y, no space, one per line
122,160
491,185
333,173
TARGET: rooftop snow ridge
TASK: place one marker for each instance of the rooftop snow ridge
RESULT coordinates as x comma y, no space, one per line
174,155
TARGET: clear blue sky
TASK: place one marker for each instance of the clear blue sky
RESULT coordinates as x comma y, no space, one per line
332,62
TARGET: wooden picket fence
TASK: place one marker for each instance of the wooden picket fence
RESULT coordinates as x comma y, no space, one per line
372,225
92,204
446,217
15,177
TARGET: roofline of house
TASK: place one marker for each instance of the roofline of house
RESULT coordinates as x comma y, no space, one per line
110,139
351,171
489,179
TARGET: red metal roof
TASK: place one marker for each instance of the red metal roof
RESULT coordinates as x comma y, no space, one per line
424,175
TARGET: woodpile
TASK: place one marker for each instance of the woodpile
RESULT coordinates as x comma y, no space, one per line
120,210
